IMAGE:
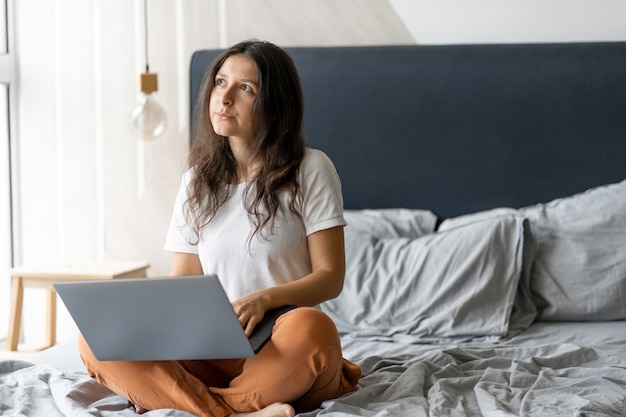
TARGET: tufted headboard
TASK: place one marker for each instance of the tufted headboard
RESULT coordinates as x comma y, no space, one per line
462,128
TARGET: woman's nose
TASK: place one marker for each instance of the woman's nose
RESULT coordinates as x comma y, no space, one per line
227,96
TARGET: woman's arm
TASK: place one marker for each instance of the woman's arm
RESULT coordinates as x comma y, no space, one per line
185,264
327,253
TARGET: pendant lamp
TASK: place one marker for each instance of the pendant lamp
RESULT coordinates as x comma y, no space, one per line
147,119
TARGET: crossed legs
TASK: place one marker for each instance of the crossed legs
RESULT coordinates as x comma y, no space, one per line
301,365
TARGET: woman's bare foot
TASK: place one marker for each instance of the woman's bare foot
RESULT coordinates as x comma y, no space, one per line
139,410
272,410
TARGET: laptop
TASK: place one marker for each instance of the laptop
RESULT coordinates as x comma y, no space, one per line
167,318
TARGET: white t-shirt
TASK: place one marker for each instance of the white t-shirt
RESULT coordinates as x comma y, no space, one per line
245,265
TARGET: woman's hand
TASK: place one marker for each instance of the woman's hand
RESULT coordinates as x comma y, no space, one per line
250,310
326,250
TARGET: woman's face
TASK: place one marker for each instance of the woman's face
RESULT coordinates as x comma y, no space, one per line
230,105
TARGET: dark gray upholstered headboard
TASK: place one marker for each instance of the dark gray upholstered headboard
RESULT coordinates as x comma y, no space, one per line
462,128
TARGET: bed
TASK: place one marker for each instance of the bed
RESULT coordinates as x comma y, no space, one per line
485,193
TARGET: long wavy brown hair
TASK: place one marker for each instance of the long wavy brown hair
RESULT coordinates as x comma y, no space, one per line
279,141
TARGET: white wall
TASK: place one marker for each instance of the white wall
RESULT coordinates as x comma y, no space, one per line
512,21
88,189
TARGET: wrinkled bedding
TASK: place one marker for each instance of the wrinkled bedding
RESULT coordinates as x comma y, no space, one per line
552,369
28,389
551,380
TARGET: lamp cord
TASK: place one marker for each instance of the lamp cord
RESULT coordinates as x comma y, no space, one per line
145,35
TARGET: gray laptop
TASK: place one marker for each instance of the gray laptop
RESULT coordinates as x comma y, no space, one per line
169,318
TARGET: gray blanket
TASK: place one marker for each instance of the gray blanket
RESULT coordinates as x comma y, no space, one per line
552,380
549,380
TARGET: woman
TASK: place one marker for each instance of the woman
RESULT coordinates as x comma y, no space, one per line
263,212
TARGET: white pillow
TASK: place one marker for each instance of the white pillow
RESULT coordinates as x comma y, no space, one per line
579,272
455,284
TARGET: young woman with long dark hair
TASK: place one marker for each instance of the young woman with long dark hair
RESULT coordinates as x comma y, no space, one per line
264,212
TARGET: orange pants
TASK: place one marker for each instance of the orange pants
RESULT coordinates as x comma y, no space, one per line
302,365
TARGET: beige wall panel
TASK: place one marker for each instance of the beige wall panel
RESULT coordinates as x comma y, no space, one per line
313,23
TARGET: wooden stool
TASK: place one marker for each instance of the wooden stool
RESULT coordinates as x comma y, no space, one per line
44,275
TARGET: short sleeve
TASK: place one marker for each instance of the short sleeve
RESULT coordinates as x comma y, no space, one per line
180,234
321,196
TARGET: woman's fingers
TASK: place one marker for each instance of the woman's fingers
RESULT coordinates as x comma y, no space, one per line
248,317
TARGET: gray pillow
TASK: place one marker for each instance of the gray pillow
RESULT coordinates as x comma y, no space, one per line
465,219
390,223
524,310
579,272
459,283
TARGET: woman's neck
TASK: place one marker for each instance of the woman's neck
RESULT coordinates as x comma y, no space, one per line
247,172
248,165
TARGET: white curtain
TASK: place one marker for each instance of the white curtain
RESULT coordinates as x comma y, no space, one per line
88,187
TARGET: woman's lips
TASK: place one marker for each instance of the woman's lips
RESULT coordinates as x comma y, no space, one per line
223,116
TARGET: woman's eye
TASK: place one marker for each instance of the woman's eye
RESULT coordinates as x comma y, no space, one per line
247,88
220,81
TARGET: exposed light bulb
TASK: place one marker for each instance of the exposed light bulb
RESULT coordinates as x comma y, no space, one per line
147,119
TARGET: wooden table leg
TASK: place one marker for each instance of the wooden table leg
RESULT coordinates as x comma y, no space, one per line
51,328
17,295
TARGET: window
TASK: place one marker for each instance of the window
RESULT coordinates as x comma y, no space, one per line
6,105
4,46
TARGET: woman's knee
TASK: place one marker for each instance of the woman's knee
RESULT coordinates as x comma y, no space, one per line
310,324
